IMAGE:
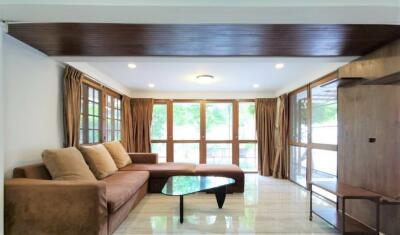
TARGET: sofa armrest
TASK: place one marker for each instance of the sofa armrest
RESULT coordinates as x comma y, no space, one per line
149,158
55,207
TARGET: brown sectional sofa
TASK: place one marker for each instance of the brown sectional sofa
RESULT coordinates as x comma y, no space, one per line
35,203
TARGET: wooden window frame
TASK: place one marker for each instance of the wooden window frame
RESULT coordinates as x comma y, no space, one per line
103,92
329,78
202,141
85,114
114,95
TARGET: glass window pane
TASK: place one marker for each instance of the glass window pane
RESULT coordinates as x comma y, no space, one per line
219,153
109,113
116,113
90,137
159,122
90,93
109,135
96,109
109,100
81,136
324,114
90,108
96,136
247,121
186,121
219,121
248,157
298,117
161,150
91,122
188,153
298,165
324,165
96,96
96,123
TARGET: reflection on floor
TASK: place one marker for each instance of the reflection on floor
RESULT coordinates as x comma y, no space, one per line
268,206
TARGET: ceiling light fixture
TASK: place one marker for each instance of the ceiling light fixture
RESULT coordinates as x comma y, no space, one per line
256,85
205,78
151,85
131,65
279,65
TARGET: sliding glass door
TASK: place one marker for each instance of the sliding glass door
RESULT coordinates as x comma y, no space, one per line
205,131
218,138
313,132
248,153
186,132
159,131
299,136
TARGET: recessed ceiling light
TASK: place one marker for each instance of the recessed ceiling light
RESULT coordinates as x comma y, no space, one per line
151,85
256,85
279,65
205,78
131,65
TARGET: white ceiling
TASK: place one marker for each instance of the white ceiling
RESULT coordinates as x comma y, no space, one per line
205,11
232,74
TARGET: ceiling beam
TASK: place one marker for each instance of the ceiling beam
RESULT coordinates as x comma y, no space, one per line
99,39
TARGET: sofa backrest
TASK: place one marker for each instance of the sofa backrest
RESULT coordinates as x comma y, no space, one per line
35,171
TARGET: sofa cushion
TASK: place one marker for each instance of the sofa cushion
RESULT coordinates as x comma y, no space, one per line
162,170
118,153
121,186
66,164
99,160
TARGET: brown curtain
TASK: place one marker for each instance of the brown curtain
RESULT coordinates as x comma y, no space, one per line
127,126
142,111
72,106
265,127
281,163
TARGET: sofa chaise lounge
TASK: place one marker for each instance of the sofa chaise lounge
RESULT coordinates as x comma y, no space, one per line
38,205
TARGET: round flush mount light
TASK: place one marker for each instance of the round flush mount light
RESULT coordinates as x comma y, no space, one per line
131,65
205,78
151,85
256,85
279,65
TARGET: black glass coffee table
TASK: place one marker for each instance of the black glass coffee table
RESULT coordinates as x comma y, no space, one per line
184,185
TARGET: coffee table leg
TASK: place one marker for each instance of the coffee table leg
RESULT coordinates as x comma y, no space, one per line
220,194
181,208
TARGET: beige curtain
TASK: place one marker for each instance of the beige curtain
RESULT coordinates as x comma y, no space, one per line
265,127
127,126
72,106
281,161
142,111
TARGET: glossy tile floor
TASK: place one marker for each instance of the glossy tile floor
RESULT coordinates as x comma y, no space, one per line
268,206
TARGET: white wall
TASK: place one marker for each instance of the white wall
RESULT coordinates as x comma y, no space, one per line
33,104
2,120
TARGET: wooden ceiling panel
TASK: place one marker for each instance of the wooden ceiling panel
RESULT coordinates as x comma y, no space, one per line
100,39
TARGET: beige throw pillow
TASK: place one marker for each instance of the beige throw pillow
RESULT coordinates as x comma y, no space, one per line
118,153
66,164
99,160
